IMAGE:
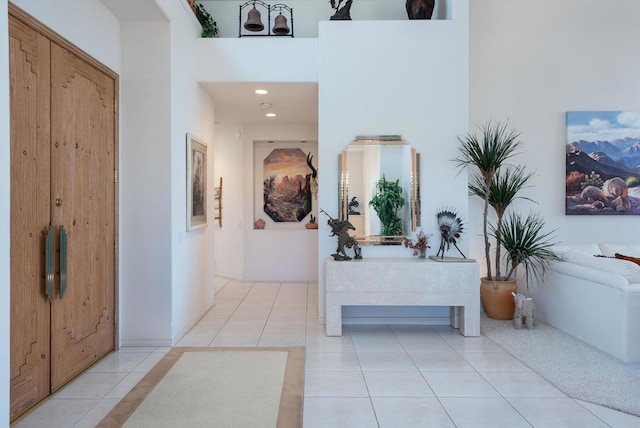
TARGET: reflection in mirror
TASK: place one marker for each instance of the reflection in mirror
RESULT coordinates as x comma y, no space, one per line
362,166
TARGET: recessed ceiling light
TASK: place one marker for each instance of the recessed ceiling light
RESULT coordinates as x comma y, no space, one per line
265,105
271,115
261,91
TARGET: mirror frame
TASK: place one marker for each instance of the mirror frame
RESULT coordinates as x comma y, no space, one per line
414,204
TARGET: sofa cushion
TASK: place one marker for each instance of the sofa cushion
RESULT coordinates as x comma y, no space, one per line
589,249
624,268
627,249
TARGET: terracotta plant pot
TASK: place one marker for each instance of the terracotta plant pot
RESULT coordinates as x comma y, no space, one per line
497,298
311,225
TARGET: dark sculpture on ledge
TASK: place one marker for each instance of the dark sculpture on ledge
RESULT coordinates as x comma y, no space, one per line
343,13
451,228
354,204
340,228
420,9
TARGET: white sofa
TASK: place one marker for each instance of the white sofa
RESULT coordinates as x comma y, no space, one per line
595,299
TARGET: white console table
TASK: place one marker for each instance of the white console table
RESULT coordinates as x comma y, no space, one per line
403,282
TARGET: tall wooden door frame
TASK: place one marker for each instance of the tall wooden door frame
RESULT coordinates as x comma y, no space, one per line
54,38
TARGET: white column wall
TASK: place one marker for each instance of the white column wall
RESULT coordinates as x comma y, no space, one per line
192,285
531,62
406,78
164,266
5,191
145,185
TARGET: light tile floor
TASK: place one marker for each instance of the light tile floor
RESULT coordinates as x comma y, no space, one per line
372,376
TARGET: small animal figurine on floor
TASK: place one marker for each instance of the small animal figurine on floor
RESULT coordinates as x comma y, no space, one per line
524,312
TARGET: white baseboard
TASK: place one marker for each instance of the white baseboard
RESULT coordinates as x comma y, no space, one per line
146,342
397,321
392,321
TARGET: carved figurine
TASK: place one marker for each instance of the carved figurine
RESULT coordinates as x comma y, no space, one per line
354,204
342,13
340,228
313,180
524,312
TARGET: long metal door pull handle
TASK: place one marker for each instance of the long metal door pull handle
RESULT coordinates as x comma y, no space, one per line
63,261
49,263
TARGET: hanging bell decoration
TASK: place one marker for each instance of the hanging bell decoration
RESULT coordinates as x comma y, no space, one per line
280,27
254,23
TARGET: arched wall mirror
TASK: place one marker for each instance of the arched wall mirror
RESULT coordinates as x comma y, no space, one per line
365,166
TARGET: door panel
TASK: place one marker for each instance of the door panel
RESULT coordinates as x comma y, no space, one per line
30,215
82,179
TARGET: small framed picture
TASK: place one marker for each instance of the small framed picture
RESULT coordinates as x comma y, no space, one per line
196,183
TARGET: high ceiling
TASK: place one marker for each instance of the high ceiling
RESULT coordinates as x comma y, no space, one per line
236,103
138,10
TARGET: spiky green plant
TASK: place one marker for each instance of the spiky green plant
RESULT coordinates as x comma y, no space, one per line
527,244
488,152
503,190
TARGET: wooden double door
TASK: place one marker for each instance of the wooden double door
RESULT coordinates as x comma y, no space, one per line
63,211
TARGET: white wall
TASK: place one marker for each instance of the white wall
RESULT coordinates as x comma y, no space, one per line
257,60
191,112
409,79
228,160
258,255
145,184
533,61
163,266
240,251
307,14
275,254
5,191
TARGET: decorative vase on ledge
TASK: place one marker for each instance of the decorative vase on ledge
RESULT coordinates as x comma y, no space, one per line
420,9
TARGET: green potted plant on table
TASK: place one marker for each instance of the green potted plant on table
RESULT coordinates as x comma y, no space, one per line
386,203
524,240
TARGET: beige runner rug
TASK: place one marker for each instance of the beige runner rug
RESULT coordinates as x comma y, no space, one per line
221,387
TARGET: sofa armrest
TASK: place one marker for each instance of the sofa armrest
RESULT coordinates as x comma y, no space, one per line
575,270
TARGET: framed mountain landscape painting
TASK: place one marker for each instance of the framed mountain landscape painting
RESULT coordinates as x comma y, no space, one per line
603,163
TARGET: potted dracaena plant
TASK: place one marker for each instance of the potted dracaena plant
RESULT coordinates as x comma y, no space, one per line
523,239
